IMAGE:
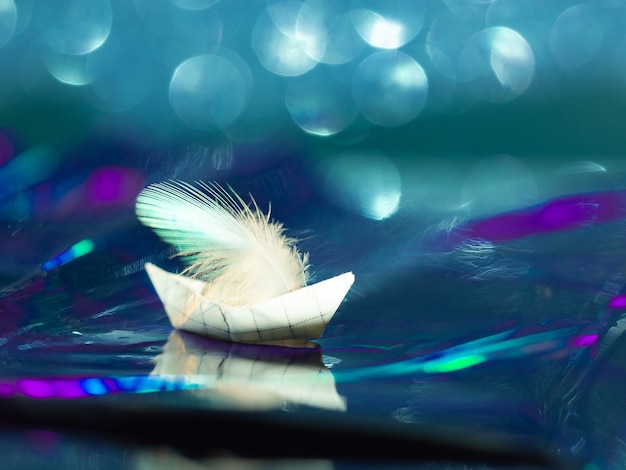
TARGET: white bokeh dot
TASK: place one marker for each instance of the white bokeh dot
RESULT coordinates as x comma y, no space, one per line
209,91
499,61
576,37
194,5
365,182
390,88
8,21
389,24
320,105
289,38
75,26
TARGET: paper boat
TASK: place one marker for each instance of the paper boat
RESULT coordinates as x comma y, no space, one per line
299,315
250,376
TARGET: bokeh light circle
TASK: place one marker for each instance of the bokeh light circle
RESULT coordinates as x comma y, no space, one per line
121,75
319,105
390,88
209,91
390,24
68,69
466,8
579,177
498,184
8,21
447,35
289,38
343,43
575,37
619,61
194,5
441,88
75,26
364,182
25,15
502,55
178,33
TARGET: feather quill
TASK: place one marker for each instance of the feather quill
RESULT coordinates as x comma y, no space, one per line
243,256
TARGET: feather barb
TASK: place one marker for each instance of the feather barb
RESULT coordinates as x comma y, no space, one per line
242,254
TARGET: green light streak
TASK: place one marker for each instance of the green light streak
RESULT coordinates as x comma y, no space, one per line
452,364
77,250
82,247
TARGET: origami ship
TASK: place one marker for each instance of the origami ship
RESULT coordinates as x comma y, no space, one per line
298,315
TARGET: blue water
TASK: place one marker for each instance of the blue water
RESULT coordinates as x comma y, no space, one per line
505,338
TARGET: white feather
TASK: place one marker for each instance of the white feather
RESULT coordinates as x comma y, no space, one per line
243,255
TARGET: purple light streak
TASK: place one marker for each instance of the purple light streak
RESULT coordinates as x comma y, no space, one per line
36,388
554,216
6,149
585,341
77,387
618,301
112,185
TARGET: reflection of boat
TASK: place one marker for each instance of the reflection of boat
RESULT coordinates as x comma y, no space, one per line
300,314
166,459
252,376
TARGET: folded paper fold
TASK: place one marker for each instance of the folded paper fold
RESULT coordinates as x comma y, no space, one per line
300,314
